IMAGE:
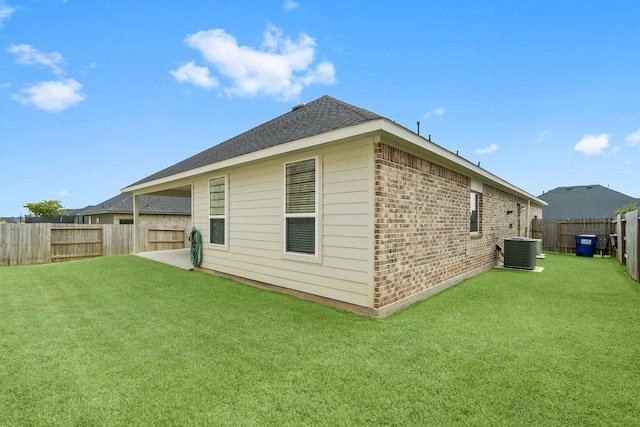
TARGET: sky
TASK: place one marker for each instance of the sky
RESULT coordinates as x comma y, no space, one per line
98,94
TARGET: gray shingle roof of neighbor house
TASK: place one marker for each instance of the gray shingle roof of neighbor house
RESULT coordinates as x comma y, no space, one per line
319,116
149,204
583,201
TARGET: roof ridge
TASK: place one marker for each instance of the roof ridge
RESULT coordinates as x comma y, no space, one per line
353,108
321,115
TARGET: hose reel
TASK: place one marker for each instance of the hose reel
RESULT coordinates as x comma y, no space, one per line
196,247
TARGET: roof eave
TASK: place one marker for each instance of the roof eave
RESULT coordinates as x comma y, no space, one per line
454,159
371,126
300,144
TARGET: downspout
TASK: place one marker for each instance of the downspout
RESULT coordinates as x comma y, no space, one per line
528,233
136,225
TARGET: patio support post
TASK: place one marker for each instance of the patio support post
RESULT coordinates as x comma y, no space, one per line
136,225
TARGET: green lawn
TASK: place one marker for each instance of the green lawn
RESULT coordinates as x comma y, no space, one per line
127,341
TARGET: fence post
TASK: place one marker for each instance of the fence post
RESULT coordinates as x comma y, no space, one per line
136,223
632,244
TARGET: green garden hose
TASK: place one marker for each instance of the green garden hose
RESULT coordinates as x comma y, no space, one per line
196,248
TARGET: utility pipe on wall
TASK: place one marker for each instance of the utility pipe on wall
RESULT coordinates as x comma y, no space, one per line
528,231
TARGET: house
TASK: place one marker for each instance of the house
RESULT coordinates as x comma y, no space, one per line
71,216
153,210
583,201
336,202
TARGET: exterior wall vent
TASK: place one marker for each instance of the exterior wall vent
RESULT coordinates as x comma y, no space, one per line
520,252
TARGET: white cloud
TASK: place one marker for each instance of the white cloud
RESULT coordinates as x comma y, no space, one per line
634,138
593,145
281,67
53,96
5,13
290,4
542,136
194,74
324,73
28,55
487,150
435,112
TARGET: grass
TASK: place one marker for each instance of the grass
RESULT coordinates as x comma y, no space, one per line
127,341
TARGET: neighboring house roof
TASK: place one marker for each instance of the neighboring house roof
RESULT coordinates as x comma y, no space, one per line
321,121
583,201
322,115
148,204
9,220
73,212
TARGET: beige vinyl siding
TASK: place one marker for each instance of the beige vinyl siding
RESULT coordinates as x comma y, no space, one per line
200,207
255,203
346,209
256,213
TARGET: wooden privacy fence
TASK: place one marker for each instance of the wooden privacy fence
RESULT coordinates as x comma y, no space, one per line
76,242
162,239
22,244
558,235
628,251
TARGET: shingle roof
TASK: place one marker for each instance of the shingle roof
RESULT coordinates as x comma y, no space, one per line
148,204
319,116
583,201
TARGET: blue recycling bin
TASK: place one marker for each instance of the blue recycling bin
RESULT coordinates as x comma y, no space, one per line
586,244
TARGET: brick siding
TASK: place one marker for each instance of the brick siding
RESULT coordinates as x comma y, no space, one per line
159,221
422,236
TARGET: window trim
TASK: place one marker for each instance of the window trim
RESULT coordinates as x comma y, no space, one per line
316,256
478,198
224,216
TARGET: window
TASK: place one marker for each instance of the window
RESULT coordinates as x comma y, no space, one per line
300,207
475,213
217,210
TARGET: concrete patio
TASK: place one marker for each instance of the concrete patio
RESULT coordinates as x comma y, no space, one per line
180,258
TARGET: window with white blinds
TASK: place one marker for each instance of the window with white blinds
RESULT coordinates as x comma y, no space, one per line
217,210
301,207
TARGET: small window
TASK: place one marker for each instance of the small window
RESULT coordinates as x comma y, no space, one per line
126,221
300,207
217,210
475,213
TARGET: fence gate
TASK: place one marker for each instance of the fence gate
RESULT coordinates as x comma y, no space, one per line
69,243
162,239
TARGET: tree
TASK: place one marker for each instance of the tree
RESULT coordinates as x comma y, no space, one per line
629,207
46,208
